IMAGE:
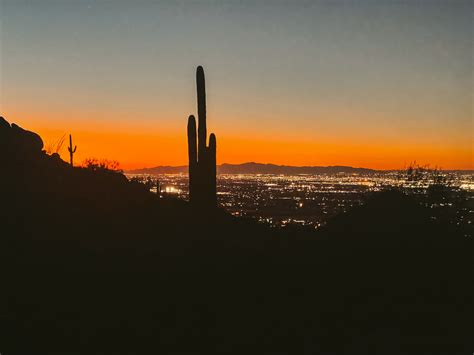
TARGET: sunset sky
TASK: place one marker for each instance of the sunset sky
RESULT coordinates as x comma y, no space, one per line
375,84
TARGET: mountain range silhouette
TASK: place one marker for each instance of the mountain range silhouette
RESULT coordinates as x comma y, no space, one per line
258,168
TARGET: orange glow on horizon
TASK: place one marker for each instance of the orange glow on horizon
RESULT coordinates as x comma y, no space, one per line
138,144
138,150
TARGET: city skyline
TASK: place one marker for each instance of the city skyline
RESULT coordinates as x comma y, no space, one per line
375,86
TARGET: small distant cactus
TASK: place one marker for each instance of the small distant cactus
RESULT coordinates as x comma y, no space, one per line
202,158
71,150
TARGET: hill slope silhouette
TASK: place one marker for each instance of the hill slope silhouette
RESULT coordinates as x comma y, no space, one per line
92,262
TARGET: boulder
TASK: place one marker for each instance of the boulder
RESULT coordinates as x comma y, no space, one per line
27,141
4,125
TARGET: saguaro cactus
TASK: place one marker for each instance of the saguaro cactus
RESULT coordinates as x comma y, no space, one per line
71,150
202,158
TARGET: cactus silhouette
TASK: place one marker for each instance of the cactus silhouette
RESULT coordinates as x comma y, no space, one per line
71,150
202,158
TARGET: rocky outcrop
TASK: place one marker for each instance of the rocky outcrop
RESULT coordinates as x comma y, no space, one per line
16,142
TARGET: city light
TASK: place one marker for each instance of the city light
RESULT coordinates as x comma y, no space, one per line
305,200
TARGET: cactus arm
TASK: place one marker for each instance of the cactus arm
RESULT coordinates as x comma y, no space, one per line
192,147
212,146
192,155
212,168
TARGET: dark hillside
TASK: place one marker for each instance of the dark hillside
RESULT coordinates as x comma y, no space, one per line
94,263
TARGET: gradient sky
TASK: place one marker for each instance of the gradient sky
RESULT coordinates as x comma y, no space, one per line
376,84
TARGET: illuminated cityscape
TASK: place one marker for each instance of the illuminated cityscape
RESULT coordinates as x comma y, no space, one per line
309,200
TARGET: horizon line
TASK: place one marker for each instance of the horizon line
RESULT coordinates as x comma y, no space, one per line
426,166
